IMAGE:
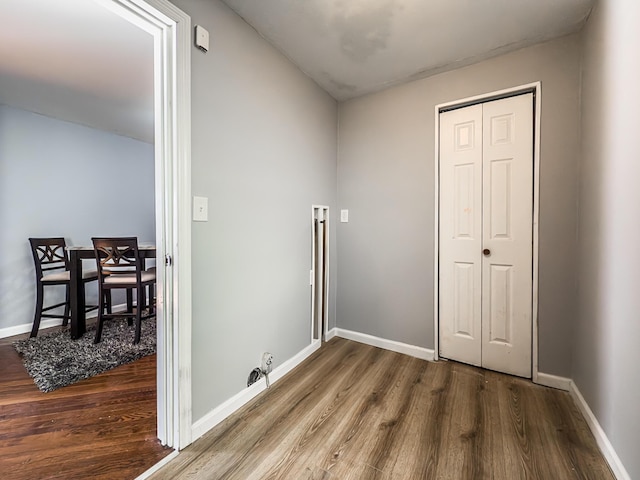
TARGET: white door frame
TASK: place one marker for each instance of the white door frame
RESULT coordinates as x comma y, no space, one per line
312,274
535,88
171,31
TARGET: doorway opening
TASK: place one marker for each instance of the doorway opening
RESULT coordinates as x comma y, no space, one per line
319,278
486,240
171,31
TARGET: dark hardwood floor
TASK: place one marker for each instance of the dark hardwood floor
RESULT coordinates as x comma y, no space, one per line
100,428
353,411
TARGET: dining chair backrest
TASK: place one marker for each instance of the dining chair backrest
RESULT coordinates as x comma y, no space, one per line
117,256
49,254
120,266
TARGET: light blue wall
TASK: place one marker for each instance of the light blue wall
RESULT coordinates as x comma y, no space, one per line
62,179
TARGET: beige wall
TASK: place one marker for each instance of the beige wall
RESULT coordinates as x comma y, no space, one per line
607,356
386,180
263,151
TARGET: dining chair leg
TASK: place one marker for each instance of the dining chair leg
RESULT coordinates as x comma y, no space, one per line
151,298
38,314
98,328
67,299
144,299
140,293
130,305
107,299
102,296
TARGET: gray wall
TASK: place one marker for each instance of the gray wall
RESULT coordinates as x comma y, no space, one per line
606,356
50,172
263,151
386,180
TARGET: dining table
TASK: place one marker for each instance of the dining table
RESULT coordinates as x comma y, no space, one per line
76,286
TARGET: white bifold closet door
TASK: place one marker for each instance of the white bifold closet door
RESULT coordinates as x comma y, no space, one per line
486,233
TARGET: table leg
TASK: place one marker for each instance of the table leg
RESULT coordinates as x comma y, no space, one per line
76,286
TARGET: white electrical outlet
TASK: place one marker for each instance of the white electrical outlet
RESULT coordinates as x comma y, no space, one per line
344,216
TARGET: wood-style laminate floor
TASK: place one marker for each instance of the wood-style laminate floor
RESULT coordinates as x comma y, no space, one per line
100,428
352,411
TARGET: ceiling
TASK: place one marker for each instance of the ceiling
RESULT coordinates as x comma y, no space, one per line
353,47
78,61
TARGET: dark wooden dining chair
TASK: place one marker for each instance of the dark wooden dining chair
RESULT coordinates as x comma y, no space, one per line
52,268
121,267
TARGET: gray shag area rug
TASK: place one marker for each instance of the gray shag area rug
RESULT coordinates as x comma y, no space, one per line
55,360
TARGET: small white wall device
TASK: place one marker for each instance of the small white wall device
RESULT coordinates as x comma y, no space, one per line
200,209
202,38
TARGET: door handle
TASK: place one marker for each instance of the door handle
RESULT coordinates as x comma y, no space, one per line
486,252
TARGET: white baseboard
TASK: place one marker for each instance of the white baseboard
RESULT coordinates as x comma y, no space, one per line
566,384
553,381
45,323
26,327
601,437
218,414
411,350
330,334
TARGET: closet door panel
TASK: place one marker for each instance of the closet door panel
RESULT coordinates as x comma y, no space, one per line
507,269
460,275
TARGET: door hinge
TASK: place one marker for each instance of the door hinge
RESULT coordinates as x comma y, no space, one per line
168,261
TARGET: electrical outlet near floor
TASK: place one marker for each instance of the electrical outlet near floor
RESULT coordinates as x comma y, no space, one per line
267,360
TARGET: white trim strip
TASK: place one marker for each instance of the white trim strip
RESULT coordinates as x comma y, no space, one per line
535,341
330,334
26,327
218,414
392,345
485,97
436,239
553,381
601,437
54,322
157,466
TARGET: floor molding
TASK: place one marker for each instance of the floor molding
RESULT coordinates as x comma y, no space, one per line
601,437
411,350
553,381
53,322
218,414
330,334
157,466
26,327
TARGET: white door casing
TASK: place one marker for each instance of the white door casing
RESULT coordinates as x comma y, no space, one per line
319,272
171,30
486,204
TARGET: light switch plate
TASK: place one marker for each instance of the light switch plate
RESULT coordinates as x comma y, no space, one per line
200,209
344,216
